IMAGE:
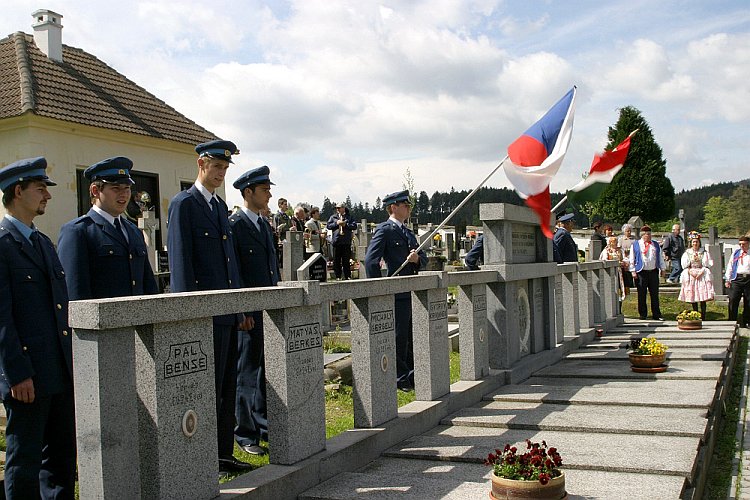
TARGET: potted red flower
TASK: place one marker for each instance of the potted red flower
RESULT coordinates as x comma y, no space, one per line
532,474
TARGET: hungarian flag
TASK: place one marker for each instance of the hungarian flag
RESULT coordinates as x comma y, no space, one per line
536,156
603,170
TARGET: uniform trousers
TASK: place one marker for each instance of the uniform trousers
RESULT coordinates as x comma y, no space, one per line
404,340
41,448
250,410
342,254
225,366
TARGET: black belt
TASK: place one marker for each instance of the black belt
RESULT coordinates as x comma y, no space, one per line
743,275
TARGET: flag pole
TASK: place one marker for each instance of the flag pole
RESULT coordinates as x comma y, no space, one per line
460,205
564,199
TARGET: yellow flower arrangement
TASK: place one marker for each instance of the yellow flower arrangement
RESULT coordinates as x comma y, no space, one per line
689,315
650,346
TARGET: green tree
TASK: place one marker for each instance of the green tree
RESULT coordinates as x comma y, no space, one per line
715,214
642,187
739,210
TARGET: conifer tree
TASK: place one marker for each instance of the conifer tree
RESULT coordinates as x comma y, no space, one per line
641,187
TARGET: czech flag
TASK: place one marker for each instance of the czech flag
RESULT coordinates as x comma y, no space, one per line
536,156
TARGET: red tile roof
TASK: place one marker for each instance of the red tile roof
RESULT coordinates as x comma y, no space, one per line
82,89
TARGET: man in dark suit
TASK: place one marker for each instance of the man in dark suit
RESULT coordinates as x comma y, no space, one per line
394,243
103,253
36,382
566,248
255,251
342,225
201,257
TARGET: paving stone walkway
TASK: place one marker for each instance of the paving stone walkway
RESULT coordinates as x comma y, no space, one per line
741,485
621,434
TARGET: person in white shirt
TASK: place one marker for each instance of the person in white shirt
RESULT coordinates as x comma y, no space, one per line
737,280
646,267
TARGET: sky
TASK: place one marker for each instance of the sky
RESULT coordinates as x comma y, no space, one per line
340,97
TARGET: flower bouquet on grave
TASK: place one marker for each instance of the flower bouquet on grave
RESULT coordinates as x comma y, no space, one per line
533,474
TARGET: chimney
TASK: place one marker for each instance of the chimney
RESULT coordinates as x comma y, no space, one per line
48,33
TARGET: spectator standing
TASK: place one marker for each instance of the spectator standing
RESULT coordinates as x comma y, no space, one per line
313,235
201,257
103,253
625,242
696,285
281,221
646,266
298,220
737,280
257,264
566,248
35,351
394,243
613,252
342,226
598,236
674,247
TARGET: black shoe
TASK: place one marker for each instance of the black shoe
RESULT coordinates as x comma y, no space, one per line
405,386
658,318
231,464
253,449
643,318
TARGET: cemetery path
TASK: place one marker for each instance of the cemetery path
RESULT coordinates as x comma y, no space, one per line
621,434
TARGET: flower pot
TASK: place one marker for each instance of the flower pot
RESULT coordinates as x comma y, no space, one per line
689,324
646,360
505,489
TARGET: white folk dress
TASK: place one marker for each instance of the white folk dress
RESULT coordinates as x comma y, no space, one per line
696,276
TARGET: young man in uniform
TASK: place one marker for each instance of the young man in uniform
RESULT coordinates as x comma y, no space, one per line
35,344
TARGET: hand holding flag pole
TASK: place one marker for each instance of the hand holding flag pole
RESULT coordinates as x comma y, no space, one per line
455,210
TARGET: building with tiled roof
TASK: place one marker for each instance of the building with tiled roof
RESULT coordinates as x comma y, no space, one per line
65,104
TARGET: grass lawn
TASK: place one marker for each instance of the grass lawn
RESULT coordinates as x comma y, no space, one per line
671,307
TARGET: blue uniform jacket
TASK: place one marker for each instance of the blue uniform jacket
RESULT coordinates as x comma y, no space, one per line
256,255
100,263
475,256
391,244
201,248
567,248
35,339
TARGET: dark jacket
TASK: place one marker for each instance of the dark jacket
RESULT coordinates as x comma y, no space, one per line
201,247
100,263
343,235
475,256
256,254
35,340
566,247
391,244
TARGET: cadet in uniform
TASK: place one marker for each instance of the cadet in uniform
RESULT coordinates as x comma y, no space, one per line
103,253
256,254
36,381
201,257
393,242
563,244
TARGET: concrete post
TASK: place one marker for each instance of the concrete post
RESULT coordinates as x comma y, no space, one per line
473,341
430,333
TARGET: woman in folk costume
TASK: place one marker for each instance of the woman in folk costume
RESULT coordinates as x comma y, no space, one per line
697,286
614,252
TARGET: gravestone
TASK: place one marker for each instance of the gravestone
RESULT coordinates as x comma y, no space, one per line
292,254
520,306
450,246
313,269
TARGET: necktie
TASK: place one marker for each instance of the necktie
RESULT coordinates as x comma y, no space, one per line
34,237
118,226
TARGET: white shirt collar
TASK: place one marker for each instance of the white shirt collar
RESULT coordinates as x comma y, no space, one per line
108,217
398,222
252,216
205,192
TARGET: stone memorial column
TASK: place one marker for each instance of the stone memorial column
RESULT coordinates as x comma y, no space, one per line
585,295
597,285
106,420
177,411
473,342
716,252
567,301
450,246
430,336
373,360
609,279
293,342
